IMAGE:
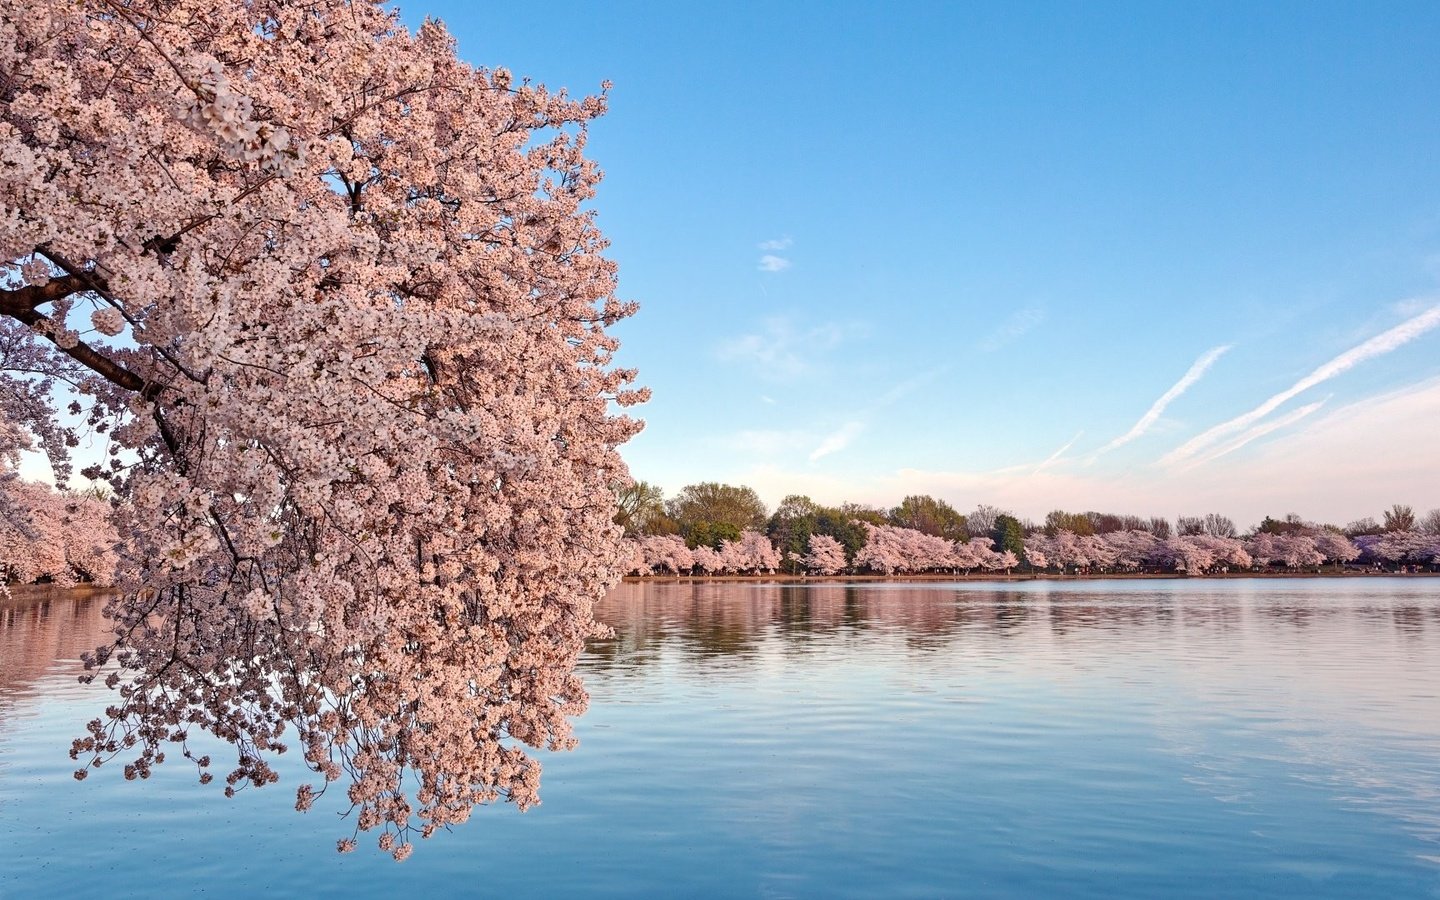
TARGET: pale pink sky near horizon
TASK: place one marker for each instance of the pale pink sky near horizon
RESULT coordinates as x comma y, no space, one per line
1338,466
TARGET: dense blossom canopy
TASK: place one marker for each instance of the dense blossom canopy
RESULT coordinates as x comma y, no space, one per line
894,550
60,537
335,297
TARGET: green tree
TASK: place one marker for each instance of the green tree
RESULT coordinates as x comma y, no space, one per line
638,505
1291,524
931,516
710,534
862,513
1008,534
1076,523
790,528
714,510
842,525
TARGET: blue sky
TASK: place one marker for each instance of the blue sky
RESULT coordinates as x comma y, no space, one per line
889,248
964,249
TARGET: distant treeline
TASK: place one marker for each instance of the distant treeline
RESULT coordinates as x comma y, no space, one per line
713,528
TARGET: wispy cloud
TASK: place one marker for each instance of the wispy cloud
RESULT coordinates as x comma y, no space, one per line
1260,431
1200,366
1377,346
1295,470
766,442
782,351
771,260
837,440
909,386
1053,458
841,438
1013,327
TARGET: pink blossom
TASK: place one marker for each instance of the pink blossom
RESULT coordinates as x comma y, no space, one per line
826,556
364,409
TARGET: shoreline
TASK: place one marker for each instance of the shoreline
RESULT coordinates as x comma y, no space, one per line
782,578
31,592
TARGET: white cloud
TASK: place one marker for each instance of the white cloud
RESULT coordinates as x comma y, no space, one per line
909,386
776,244
1376,346
1260,431
766,442
772,263
782,351
1200,366
1350,462
837,440
1053,458
1013,327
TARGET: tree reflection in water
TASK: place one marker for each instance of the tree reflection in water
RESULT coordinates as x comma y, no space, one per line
43,631
734,621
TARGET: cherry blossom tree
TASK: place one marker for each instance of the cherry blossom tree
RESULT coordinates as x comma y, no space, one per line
968,555
1335,546
666,552
339,303
53,535
753,552
708,560
1007,560
1228,551
632,557
1097,550
1262,548
885,550
1401,547
826,555
1296,551
32,540
1130,550
982,550
1189,554
1066,549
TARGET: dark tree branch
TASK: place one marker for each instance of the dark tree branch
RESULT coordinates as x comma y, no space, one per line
28,298
88,357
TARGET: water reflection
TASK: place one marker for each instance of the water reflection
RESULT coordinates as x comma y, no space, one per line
1275,738
1341,646
43,631
733,620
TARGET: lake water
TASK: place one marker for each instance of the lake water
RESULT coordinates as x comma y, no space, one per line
1133,738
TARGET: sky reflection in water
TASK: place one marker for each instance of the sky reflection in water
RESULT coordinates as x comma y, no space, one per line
1157,737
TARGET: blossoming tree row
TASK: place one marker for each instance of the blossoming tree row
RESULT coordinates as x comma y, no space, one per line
47,535
894,550
824,541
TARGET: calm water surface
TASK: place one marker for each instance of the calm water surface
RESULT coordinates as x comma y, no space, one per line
1157,738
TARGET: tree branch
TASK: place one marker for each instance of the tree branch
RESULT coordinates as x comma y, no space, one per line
87,356
26,299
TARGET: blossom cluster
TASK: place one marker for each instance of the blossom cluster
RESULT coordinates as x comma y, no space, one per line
215,108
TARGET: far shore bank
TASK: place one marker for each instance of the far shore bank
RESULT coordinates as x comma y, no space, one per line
29,592
981,577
